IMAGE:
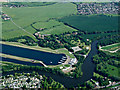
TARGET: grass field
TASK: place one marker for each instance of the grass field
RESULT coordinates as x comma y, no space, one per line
92,23
112,47
25,16
53,27
94,36
46,24
58,30
112,70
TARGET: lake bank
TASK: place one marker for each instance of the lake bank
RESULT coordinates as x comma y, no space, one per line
88,68
57,51
51,59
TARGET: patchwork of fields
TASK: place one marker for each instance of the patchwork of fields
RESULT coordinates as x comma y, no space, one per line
25,16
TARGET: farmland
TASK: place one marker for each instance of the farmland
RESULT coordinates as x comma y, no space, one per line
99,35
52,27
92,23
25,16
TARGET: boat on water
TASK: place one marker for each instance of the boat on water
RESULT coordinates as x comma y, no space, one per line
64,57
50,62
59,62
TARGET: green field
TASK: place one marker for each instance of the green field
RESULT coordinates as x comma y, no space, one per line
58,30
92,23
25,16
112,47
112,70
46,24
95,36
52,27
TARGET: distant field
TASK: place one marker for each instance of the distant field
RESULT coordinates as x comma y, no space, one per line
92,23
94,36
25,16
46,25
52,27
58,30
112,47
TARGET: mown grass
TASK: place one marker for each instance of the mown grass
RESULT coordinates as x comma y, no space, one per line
46,25
25,16
112,70
52,27
58,30
112,47
92,23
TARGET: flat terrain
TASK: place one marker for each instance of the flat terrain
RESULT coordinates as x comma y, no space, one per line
92,23
112,47
112,70
25,16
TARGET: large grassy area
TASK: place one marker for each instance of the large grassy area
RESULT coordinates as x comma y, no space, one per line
99,35
58,30
112,70
112,47
25,16
92,23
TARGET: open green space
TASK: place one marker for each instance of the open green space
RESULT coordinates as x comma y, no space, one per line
112,47
52,27
112,70
46,24
93,23
30,4
25,16
58,30
100,35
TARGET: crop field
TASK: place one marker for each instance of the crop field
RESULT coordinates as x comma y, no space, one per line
46,24
92,23
58,30
94,36
112,47
25,16
52,27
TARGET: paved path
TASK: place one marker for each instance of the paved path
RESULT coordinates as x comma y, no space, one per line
109,50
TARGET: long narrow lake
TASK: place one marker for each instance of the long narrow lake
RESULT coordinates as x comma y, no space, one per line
88,68
47,58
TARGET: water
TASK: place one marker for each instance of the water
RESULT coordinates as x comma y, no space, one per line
88,68
47,58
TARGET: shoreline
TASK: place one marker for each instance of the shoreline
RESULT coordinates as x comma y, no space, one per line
38,48
22,59
27,47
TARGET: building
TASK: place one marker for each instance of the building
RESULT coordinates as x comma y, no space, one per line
75,49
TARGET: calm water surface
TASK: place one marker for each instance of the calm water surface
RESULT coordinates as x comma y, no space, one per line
87,68
47,58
